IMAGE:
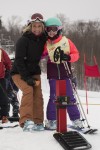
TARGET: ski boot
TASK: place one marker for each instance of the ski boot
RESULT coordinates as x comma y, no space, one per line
51,124
28,126
38,127
77,124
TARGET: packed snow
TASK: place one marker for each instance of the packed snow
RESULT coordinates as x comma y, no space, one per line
16,139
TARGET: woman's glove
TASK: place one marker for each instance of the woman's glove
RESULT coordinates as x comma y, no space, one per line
31,81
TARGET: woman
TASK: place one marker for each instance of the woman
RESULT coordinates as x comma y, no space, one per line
26,73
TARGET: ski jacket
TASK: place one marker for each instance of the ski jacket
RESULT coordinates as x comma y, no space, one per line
5,63
56,70
29,49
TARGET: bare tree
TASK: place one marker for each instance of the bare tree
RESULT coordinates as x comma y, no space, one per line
14,27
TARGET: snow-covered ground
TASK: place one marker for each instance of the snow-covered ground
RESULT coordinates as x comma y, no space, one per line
16,139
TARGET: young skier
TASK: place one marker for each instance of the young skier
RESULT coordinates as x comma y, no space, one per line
5,67
26,74
56,70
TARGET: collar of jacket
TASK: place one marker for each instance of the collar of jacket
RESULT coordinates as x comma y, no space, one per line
32,36
56,40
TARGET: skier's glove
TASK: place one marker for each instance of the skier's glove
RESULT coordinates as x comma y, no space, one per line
64,57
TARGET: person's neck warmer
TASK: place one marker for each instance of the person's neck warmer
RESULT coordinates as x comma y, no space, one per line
56,36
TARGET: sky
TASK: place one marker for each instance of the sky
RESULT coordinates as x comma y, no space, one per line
72,9
16,139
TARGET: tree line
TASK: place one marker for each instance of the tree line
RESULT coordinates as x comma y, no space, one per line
84,34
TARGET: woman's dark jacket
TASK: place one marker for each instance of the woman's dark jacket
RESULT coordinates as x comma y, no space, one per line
29,49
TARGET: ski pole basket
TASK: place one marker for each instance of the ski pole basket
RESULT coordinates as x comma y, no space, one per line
72,140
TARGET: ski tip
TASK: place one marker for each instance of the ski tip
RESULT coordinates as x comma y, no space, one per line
84,130
87,131
93,131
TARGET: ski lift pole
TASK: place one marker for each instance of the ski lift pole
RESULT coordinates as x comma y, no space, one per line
74,90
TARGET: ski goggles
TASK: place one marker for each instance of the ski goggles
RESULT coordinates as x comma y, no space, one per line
53,28
37,17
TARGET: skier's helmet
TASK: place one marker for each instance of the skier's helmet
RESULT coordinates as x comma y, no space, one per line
53,22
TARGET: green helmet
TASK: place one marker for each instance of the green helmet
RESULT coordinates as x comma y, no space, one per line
53,22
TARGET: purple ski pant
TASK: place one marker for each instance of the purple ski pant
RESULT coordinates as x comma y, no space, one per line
72,110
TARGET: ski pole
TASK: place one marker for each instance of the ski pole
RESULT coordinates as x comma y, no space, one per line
69,74
75,91
81,107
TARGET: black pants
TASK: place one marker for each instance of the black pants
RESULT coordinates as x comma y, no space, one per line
12,96
3,99
14,102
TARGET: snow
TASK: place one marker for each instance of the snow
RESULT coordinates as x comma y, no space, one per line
16,139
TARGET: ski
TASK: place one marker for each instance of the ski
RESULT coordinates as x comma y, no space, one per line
93,131
84,130
49,129
5,127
